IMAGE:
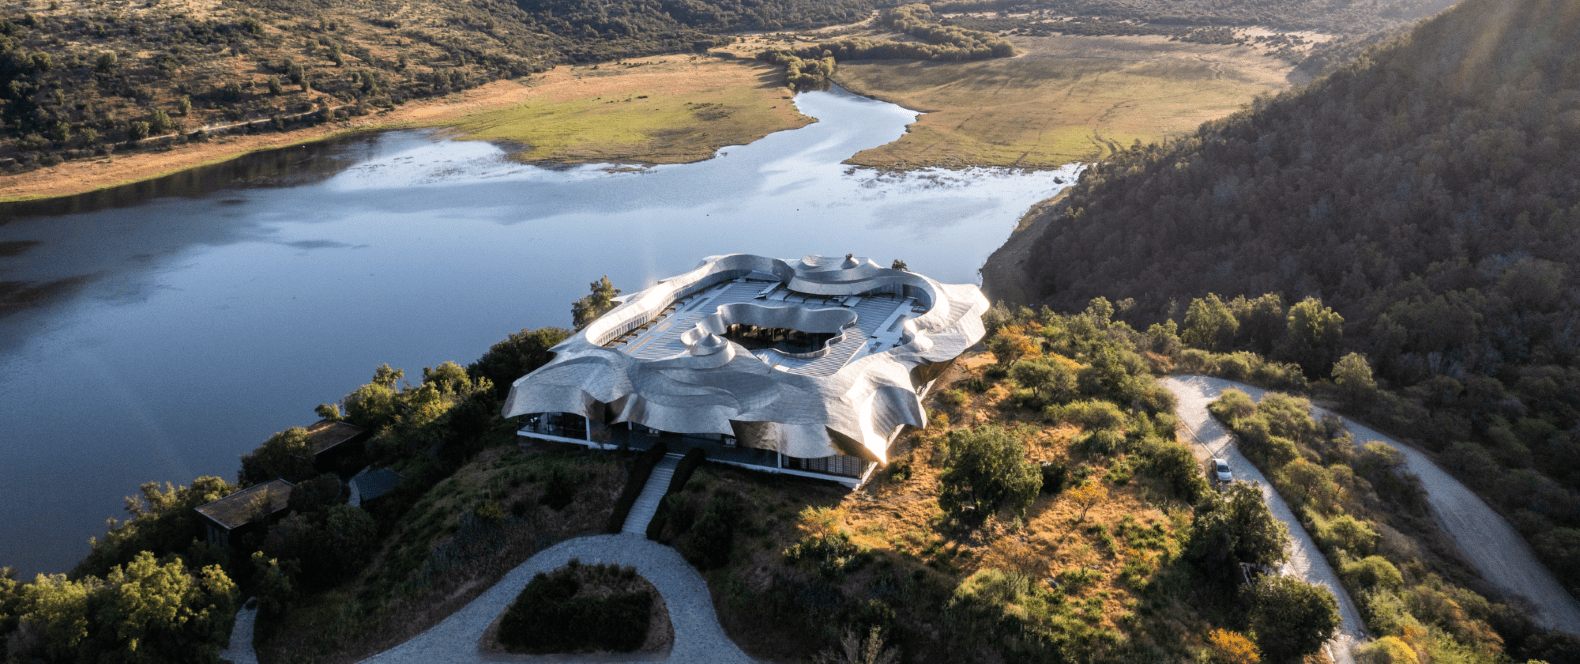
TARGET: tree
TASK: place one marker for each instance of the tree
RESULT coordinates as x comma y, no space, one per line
1012,344
61,605
594,304
1173,463
143,611
274,86
1088,495
1313,335
138,131
276,586
287,454
1209,324
986,468
317,494
519,354
899,265
1353,375
162,613
1233,529
1291,618
1262,322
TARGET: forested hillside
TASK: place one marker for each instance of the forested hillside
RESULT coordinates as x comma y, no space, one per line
1429,194
82,79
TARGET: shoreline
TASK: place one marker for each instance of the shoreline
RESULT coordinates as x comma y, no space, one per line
83,176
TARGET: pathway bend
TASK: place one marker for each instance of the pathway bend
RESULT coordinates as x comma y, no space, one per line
1305,559
1500,555
698,635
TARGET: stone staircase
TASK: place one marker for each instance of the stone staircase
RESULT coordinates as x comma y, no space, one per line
647,504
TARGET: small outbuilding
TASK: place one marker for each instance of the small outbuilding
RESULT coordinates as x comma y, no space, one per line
334,443
248,510
373,484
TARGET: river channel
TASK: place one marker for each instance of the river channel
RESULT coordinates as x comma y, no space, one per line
159,331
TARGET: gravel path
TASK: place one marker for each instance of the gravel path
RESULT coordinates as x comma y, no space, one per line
240,650
1305,559
698,636
1487,540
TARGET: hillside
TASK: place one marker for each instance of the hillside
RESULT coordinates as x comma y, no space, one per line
1426,193
83,79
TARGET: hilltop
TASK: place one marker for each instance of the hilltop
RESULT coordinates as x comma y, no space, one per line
1419,205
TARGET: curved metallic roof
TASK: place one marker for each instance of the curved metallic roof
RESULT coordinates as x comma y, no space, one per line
660,358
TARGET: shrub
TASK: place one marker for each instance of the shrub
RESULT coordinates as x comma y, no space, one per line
986,468
1175,466
1054,474
1232,647
1102,442
708,546
559,488
1372,572
1291,618
549,617
1386,650
1089,415
1232,529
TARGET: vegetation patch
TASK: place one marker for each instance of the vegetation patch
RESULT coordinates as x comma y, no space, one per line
1066,99
1348,497
583,609
666,109
967,543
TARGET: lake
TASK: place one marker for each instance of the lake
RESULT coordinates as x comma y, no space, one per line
160,330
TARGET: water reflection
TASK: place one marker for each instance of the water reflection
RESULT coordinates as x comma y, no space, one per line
158,332
283,167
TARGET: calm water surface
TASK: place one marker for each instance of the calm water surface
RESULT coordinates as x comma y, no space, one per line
159,331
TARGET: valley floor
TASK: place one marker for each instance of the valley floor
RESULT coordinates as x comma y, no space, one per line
1064,99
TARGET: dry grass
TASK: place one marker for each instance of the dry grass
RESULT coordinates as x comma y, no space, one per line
896,518
662,109
393,600
1064,99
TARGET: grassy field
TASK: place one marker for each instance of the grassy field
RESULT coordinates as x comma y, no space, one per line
1065,99
664,109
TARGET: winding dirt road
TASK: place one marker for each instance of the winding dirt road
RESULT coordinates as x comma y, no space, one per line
1500,555
1305,559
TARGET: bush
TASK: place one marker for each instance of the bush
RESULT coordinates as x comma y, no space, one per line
1054,475
1175,466
708,546
1372,572
1386,650
1291,618
1232,529
1102,442
559,488
549,617
986,468
1088,414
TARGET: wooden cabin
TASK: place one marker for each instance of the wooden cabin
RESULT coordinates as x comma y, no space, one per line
248,510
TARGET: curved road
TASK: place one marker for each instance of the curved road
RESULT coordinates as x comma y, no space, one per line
1500,555
1305,559
698,636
